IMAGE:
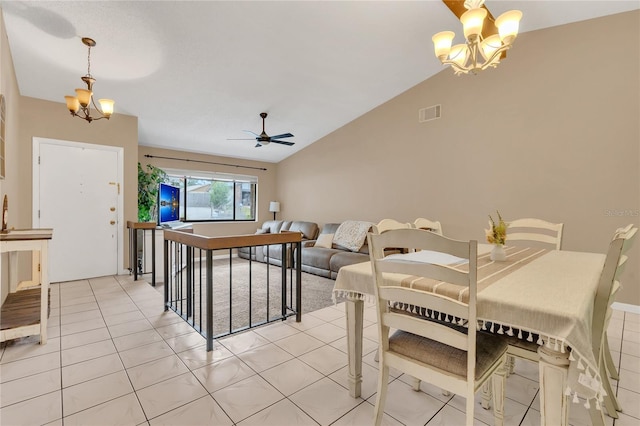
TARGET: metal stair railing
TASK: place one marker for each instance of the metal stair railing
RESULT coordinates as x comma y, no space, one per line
189,288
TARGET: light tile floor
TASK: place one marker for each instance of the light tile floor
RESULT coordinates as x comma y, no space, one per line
114,357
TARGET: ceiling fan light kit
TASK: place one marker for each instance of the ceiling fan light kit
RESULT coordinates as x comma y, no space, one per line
80,105
479,52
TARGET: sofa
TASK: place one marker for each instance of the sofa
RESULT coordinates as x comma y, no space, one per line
327,261
273,253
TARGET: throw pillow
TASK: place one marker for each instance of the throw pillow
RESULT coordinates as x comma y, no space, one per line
351,234
324,240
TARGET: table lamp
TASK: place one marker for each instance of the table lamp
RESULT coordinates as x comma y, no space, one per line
274,206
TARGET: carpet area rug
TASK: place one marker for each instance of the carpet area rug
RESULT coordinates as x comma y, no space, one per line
253,290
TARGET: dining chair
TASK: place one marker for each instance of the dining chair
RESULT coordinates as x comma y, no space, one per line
607,287
524,231
605,294
451,355
628,232
429,225
387,224
534,230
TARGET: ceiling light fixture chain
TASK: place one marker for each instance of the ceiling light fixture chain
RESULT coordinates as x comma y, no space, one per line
89,59
80,105
468,57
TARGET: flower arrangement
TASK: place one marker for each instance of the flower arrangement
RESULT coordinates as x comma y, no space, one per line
498,232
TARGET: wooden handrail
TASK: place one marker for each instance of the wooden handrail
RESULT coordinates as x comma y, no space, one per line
216,243
141,225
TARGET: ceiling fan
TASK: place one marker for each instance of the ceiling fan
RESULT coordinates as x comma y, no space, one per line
263,138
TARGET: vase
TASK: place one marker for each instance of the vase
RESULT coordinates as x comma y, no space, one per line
498,254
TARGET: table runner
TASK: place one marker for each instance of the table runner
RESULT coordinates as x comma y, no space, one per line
514,299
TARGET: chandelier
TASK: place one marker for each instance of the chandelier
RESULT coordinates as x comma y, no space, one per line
80,105
479,52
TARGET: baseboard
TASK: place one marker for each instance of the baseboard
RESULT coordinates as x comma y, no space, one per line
634,309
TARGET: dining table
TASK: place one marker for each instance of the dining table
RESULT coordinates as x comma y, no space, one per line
536,294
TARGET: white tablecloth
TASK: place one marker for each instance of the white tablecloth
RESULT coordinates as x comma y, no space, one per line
551,295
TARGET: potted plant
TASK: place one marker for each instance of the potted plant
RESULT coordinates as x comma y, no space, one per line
148,181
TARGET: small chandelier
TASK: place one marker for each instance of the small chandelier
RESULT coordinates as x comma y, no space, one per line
80,105
478,53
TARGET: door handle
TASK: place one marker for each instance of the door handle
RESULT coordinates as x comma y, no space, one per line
113,222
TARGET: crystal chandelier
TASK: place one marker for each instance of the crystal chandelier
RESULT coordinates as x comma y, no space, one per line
478,53
80,105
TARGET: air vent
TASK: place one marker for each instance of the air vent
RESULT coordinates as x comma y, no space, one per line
429,113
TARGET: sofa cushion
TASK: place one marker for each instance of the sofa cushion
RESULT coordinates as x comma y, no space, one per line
344,258
309,230
330,228
318,257
273,226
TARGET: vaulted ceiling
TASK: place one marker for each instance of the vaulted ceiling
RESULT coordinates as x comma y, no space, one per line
197,73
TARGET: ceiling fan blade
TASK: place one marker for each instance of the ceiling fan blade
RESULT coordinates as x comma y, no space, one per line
282,142
252,133
488,29
258,145
284,135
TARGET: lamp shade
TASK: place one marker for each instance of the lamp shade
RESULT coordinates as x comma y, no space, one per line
458,54
274,206
73,104
472,22
84,96
106,105
508,24
489,47
442,44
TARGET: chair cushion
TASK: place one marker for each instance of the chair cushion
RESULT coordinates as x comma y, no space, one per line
447,358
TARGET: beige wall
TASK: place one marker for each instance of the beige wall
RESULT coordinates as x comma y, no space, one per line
266,184
553,133
40,118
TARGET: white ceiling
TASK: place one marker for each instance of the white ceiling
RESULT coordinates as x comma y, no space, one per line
197,73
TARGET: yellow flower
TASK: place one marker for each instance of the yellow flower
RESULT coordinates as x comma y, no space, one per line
498,233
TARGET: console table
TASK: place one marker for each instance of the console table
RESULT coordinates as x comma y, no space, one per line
26,308
133,247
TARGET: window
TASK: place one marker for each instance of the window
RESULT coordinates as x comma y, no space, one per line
209,196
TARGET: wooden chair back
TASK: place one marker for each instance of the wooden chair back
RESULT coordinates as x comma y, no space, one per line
429,225
538,230
387,224
421,347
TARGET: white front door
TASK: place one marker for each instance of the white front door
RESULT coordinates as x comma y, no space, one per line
76,192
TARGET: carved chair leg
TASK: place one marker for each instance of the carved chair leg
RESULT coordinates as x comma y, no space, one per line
498,384
486,395
510,364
